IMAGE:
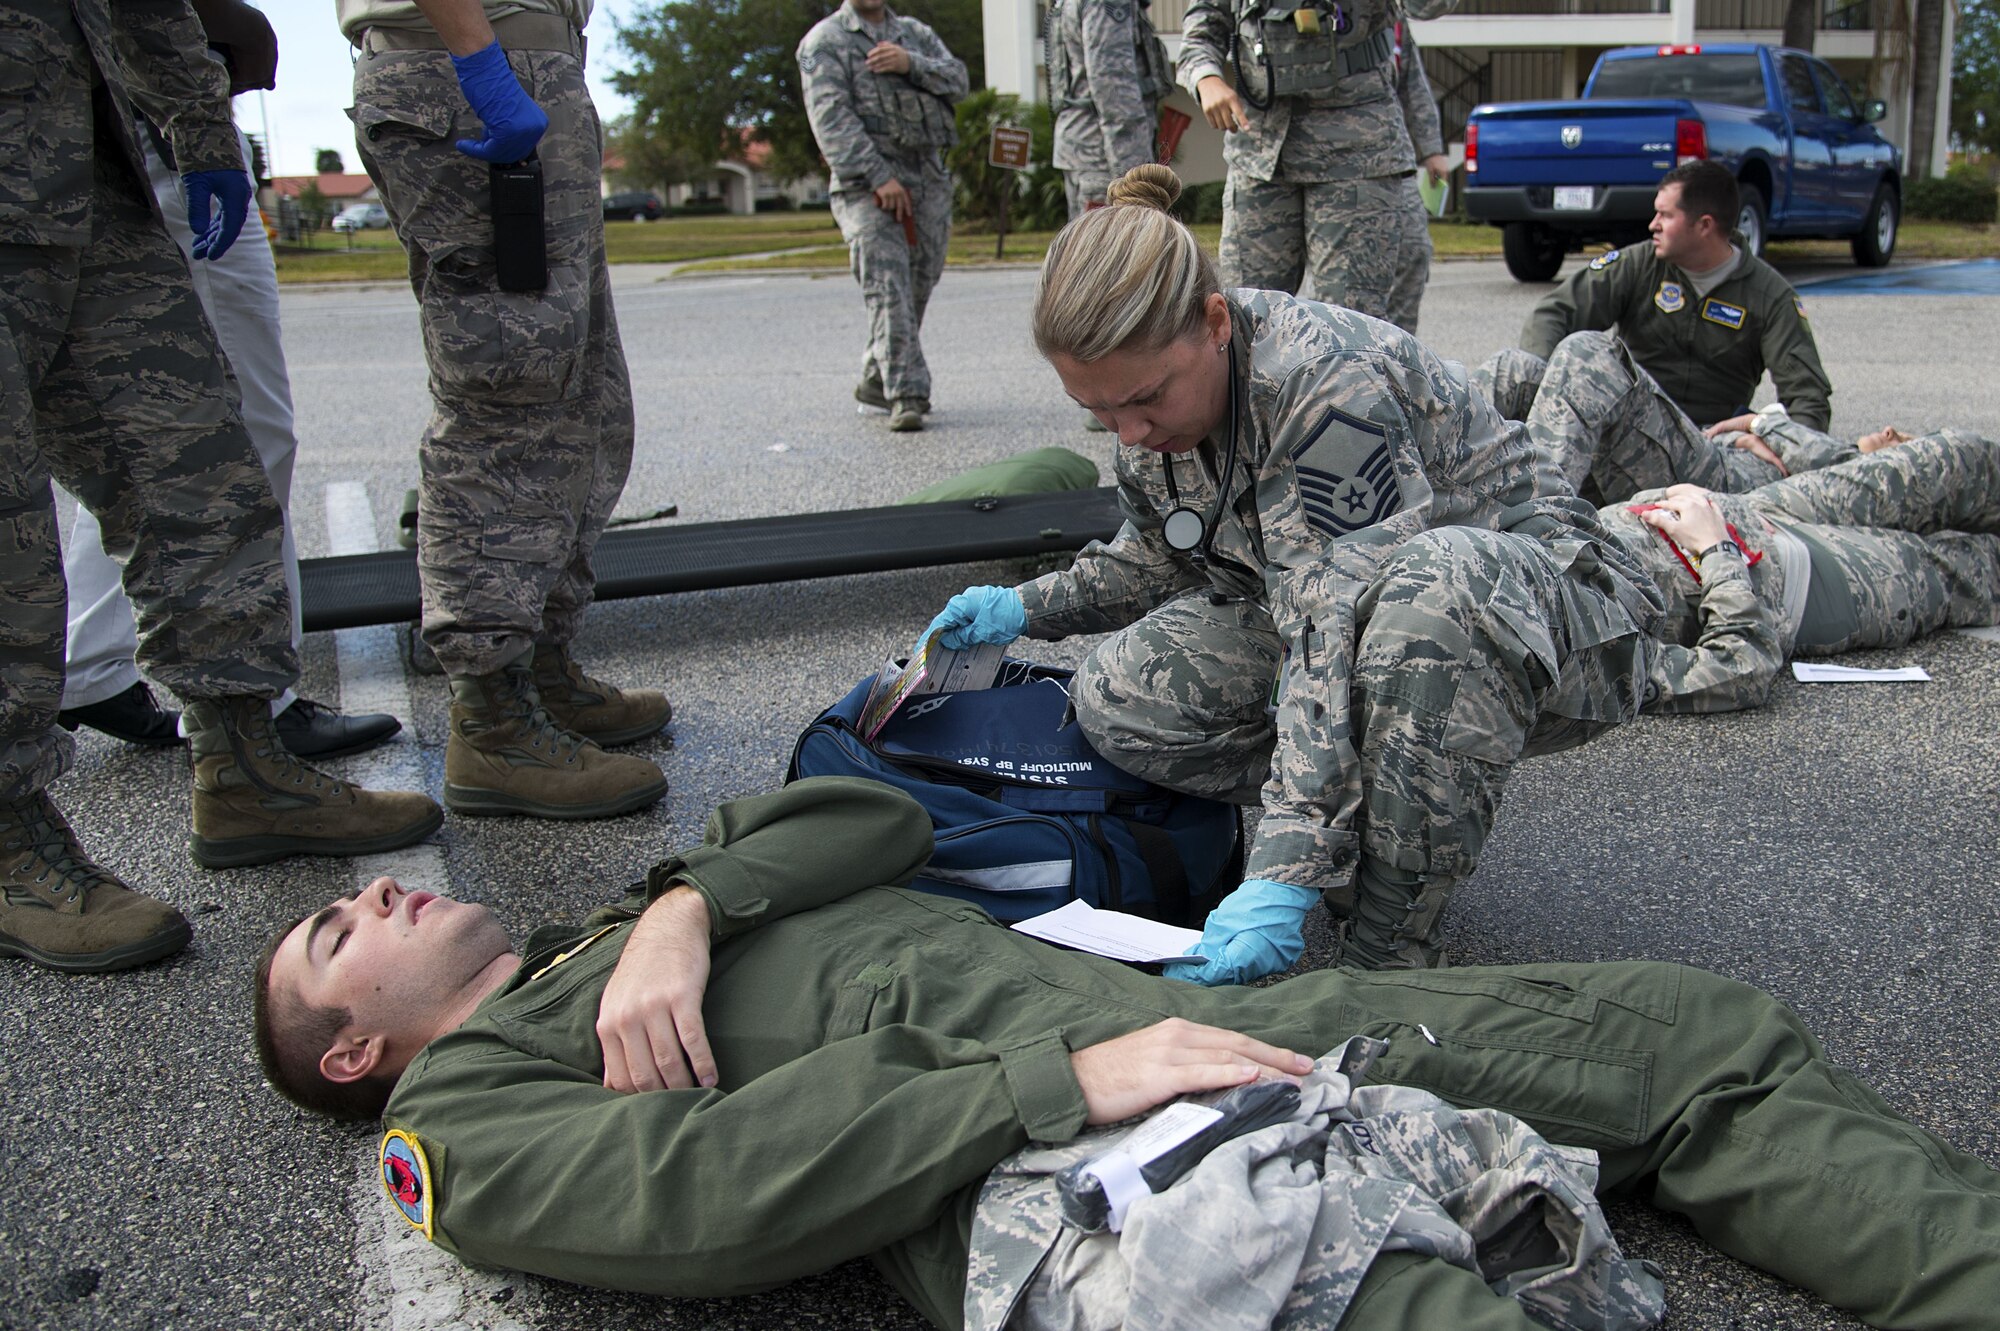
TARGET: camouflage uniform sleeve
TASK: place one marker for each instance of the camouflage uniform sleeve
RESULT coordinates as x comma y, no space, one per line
1792,357
1733,664
850,154
1110,585
1205,30
1420,108
1475,470
1111,64
1799,446
932,65
1593,298
172,80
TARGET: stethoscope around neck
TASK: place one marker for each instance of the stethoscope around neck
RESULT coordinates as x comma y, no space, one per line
1185,530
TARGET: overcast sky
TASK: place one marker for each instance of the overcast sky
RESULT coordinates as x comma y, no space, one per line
316,75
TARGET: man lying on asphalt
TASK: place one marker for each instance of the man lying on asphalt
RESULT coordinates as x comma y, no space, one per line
762,1064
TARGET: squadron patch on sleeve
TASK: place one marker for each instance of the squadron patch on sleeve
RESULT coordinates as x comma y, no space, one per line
806,61
1800,306
1721,312
406,1177
1605,260
1670,298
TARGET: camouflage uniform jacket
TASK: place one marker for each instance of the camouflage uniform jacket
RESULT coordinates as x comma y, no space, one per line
1707,352
1729,626
1350,130
152,58
1278,1227
874,128
1352,437
1413,90
1108,59
357,16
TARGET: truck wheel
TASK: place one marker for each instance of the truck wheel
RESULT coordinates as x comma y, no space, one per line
1533,252
1876,240
1750,215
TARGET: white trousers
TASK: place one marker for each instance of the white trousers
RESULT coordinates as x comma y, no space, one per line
239,293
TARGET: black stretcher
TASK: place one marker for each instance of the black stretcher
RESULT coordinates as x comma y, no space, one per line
349,591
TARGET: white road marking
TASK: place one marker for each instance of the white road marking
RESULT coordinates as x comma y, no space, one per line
407,1284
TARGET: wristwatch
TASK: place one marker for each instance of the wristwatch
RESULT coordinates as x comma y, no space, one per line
1723,546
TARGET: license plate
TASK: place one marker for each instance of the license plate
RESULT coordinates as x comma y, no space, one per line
1576,198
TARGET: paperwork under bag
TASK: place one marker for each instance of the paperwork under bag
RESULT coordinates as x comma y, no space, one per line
1028,817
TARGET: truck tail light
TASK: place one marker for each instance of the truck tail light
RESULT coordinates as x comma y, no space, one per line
1680,50
1690,141
1472,149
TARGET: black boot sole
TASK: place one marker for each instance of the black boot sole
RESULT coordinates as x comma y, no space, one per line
123,957
491,803
239,852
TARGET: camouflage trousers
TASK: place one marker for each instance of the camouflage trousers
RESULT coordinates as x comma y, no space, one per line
1083,188
1912,530
1350,235
112,385
1612,429
1470,657
1413,263
896,276
530,437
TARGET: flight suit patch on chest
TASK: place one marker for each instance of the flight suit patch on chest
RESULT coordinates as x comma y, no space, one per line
1670,298
1346,475
406,1177
1721,312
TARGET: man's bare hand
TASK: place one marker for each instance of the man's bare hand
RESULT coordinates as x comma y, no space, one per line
888,58
1886,437
1734,425
893,199
247,37
1437,166
1149,1067
649,1019
1688,514
1220,105
1752,443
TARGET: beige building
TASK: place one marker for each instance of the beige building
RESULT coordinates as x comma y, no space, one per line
1529,50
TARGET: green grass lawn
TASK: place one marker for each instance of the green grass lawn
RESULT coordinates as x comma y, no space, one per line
708,244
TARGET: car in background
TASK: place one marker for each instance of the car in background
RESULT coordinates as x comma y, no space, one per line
633,206
1808,160
362,217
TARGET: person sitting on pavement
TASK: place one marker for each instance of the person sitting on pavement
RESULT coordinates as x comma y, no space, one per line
1874,552
238,289
1703,314
769,1059
1322,520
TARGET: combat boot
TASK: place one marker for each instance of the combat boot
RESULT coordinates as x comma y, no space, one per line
59,909
907,415
602,713
254,802
869,391
506,754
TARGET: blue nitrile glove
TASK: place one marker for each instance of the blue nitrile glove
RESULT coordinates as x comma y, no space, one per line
1253,933
213,235
980,614
514,124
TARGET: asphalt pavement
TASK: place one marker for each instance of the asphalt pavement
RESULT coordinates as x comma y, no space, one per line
1840,847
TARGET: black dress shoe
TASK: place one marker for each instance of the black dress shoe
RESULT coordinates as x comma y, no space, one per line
134,716
314,730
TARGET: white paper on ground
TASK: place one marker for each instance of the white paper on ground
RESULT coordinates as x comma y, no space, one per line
1816,672
1112,933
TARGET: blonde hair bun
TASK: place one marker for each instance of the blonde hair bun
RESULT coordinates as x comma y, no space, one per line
1148,186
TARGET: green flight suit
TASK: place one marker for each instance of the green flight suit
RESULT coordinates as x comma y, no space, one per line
1707,352
880,1050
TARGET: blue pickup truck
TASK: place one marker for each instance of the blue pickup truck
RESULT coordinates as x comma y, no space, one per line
1557,176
